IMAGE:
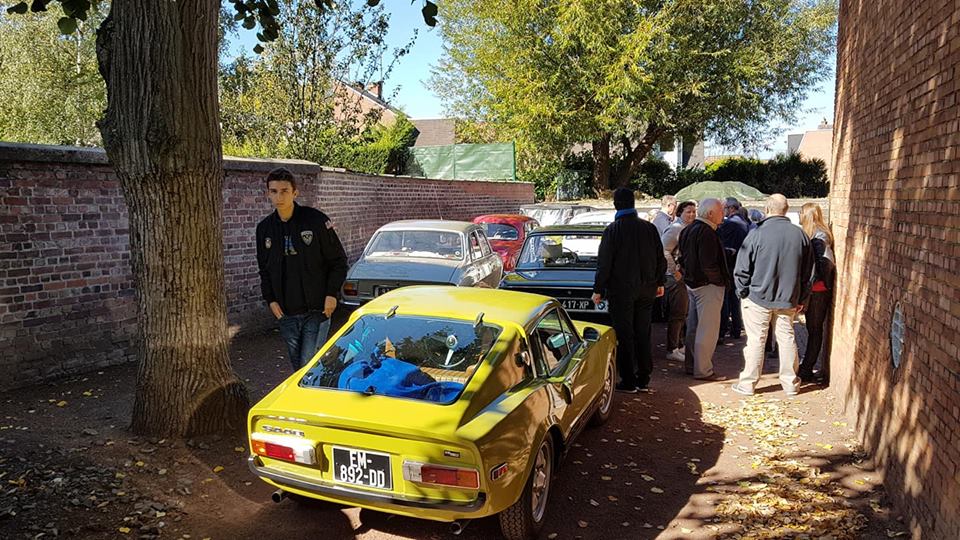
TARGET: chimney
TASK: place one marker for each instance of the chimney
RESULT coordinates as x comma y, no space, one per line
376,89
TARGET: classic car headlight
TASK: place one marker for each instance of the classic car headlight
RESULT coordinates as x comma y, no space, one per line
350,288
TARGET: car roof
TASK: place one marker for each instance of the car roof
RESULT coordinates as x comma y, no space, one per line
429,224
463,303
568,229
507,217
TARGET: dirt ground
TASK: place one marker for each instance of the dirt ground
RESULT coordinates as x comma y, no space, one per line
691,460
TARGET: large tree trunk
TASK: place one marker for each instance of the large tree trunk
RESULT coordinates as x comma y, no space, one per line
601,164
161,132
633,157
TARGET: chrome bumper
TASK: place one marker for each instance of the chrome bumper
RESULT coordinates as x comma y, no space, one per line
340,492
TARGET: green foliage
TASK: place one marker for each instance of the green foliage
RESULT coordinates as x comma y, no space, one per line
50,88
383,150
249,13
554,73
797,177
293,100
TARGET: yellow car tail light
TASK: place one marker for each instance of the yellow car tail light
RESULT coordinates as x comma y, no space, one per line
440,475
284,448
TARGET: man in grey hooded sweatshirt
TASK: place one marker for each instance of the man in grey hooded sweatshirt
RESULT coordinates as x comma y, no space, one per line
773,276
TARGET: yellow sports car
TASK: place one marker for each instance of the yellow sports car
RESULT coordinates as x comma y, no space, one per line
441,403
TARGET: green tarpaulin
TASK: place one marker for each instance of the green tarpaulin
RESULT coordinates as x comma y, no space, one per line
719,190
463,162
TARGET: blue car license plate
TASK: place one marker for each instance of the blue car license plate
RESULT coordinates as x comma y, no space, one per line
362,468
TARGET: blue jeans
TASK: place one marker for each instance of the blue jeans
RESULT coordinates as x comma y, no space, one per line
303,334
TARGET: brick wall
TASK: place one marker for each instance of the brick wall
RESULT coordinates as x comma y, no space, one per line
66,297
895,208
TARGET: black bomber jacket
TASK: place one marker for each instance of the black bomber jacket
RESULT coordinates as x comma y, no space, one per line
325,262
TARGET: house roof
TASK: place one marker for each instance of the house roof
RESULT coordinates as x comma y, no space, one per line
435,131
370,97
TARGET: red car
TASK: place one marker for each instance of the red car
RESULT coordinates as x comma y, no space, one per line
506,233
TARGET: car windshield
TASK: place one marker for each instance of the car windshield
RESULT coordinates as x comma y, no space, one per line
501,231
560,250
424,244
420,358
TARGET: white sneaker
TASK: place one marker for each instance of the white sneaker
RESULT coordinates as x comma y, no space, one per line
676,354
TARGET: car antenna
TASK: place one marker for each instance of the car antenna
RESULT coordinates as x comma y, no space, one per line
391,312
479,320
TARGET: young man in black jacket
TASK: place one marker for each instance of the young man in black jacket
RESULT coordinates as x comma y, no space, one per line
773,276
302,267
630,275
704,267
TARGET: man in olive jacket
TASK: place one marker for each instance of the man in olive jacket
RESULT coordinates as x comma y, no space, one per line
704,267
302,267
631,271
773,276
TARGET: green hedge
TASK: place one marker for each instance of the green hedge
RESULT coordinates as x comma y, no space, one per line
382,150
790,175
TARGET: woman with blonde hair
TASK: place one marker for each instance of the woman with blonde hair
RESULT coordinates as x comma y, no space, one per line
821,296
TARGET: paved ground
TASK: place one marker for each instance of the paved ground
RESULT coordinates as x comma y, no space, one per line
691,460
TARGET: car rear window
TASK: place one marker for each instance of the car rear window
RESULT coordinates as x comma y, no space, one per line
423,244
570,250
501,231
427,359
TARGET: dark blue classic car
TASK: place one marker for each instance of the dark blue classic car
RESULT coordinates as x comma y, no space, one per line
559,261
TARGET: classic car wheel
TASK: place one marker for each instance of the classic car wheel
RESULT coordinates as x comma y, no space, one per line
524,519
605,407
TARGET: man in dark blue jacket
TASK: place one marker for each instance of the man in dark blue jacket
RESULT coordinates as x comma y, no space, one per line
773,277
732,232
302,267
631,271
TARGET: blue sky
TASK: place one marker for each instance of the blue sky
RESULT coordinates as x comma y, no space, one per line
411,74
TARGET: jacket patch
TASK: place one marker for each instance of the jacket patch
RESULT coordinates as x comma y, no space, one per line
307,237
329,224
267,243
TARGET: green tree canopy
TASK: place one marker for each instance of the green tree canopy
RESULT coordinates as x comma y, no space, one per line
622,74
50,90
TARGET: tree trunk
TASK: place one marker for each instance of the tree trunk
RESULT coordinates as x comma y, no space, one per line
632,158
161,132
601,164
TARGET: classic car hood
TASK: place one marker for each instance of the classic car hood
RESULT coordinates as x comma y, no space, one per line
550,277
425,270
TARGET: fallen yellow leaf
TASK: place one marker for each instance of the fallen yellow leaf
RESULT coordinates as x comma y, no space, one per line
124,530
61,404
656,490
217,469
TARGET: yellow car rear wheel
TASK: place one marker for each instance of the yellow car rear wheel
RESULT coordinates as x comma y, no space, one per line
524,519
605,407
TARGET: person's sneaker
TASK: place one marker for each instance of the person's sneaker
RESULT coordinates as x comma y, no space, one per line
790,393
713,377
742,391
624,389
644,389
675,355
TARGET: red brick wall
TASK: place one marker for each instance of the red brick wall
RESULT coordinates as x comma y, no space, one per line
66,297
895,208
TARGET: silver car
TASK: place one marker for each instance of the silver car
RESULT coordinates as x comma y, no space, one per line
420,252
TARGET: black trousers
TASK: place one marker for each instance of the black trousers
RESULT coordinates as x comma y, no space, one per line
818,307
631,315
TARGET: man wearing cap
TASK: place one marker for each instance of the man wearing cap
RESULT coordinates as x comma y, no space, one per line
630,275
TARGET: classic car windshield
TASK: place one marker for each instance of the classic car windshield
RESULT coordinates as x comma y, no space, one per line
560,251
413,357
501,231
424,244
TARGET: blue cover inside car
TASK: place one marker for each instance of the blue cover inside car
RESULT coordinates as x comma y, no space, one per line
389,376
